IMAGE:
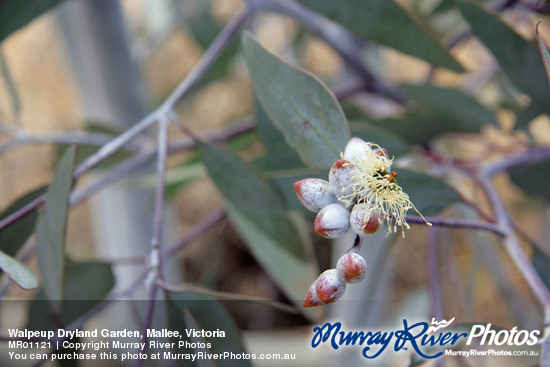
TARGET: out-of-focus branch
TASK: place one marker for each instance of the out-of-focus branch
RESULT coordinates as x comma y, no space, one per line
434,280
457,223
158,216
195,288
434,274
528,158
336,36
62,137
132,163
215,49
513,246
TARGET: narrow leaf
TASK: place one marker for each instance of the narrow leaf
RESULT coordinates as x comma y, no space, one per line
387,23
86,285
177,321
293,275
15,14
459,111
253,195
299,104
519,59
18,272
50,230
543,52
14,236
209,314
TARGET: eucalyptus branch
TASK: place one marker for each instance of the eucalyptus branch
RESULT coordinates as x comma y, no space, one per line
433,271
158,216
342,41
132,163
61,137
215,49
457,223
82,320
195,232
528,158
201,227
159,197
513,246
198,289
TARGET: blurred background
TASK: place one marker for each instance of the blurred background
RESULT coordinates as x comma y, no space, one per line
99,66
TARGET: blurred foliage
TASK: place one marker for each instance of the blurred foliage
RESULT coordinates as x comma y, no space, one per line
15,14
51,228
386,22
77,299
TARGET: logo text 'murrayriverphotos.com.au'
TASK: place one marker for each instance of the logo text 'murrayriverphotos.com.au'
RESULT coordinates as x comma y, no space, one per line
419,336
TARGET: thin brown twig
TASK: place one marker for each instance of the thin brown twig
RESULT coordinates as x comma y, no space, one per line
196,288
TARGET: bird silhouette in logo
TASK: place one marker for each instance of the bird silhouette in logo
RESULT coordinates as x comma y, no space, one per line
436,325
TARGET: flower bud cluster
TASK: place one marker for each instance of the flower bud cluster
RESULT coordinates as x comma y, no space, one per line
331,284
360,195
335,200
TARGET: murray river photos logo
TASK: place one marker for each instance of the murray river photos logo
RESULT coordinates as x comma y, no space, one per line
420,337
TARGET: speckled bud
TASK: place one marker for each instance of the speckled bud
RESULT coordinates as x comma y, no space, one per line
351,268
311,297
314,193
355,148
341,178
362,222
332,221
329,286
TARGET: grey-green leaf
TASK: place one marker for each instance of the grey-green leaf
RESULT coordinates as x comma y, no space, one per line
209,314
532,180
15,14
86,285
253,195
459,111
293,275
428,194
50,230
279,154
543,52
18,272
387,23
299,104
14,236
519,59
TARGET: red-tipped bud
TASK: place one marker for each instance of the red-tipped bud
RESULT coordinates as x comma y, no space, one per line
341,177
351,268
311,297
363,221
381,152
332,221
314,193
329,287
355,148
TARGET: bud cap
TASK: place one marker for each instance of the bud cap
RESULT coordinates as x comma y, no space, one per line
332,221
329,286
314,193
351,268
